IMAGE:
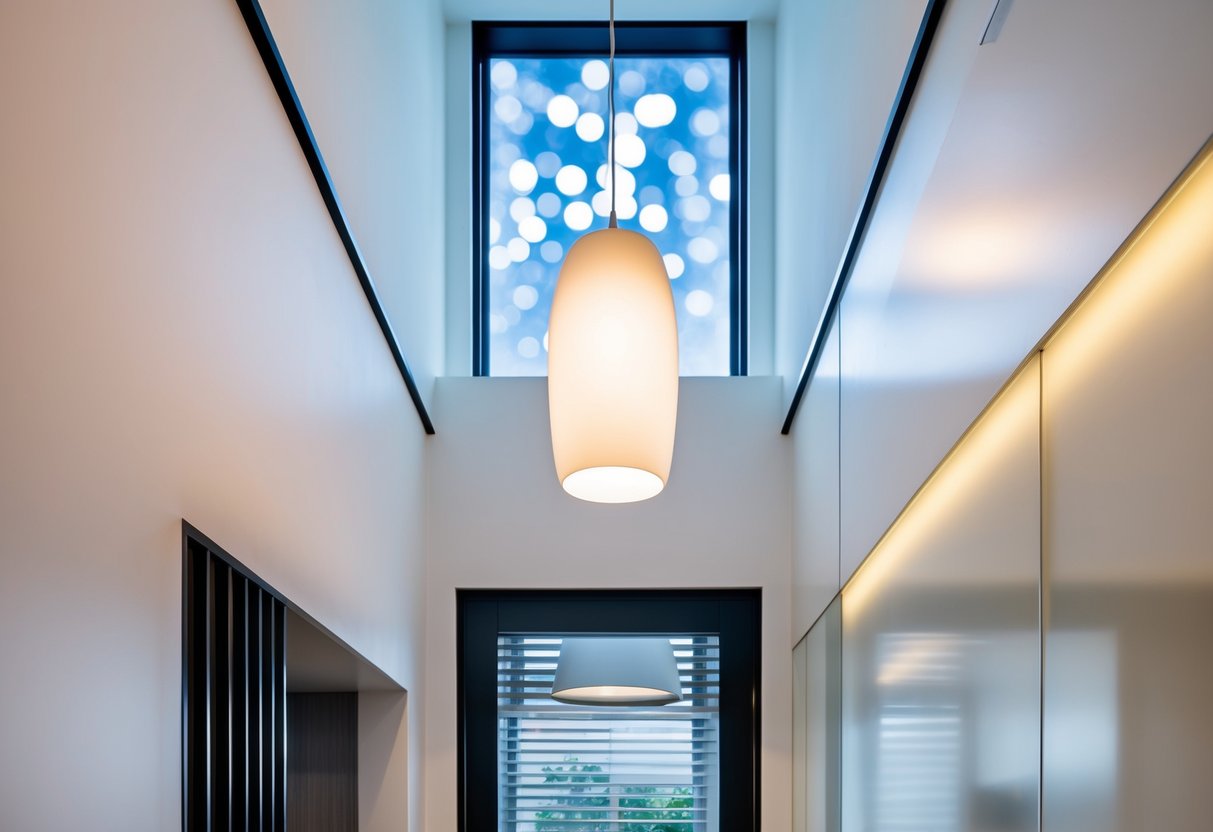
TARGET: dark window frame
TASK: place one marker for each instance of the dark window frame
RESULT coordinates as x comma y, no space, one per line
734,615
495,39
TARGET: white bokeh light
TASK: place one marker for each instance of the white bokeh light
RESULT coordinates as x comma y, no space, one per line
719,187
686,185
625,180
547,163
625,124
571,180
498,324
578,216
507,108
548,205
650,194
625,205
522,125
631,83
655,110
630,150
674,266
528,347
705,122
519,249
499,258
682,163
525,297
653,218
503,75
696,78
699,303
551,251
562,111
532,229
595,75
523,176
702,250
494,231
718,146
602,203
694,208
590,127
521,208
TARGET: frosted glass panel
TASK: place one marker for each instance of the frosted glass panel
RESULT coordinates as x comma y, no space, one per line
815,723
1128,391
940,646
800,698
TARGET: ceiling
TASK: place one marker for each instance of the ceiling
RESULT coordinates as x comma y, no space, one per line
461,10
316,662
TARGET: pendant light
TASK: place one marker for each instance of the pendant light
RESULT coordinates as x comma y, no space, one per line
617,671
613,359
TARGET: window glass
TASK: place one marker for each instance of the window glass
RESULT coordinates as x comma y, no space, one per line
548,183
577,768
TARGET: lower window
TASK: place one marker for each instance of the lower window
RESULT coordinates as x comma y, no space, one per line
532,764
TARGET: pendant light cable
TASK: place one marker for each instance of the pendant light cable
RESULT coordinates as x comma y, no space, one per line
611,115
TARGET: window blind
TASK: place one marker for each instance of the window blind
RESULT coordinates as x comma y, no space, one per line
579,768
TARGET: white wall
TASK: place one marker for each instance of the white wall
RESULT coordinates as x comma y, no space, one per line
838,66
370,76
499,519
180,336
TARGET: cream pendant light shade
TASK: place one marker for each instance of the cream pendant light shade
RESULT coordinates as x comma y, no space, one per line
613,360
617,671
613,369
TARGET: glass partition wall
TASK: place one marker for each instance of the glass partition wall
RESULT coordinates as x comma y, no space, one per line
1026,647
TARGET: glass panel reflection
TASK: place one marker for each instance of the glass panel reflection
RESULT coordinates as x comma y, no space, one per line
1128,685
940,643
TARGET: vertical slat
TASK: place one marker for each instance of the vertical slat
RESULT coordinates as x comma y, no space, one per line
239,698
196,618
279,716
220,694
267,713
256,624
234,698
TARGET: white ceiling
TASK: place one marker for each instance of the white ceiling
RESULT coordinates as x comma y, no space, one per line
461,10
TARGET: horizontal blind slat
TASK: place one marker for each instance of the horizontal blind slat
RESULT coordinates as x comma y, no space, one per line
564,765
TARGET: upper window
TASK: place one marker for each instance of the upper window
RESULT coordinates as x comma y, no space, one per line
543,177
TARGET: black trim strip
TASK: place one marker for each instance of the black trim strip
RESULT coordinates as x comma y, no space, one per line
254,18
892,130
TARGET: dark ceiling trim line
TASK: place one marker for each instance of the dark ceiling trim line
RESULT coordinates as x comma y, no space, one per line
892,130
254,18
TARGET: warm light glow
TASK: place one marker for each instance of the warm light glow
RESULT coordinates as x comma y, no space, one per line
613,369
1009,424
609,694
1168,255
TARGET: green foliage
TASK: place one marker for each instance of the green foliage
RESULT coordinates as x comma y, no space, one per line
640,808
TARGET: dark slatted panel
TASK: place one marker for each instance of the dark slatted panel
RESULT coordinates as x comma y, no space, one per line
239,705
234,698
280,728
252,696
322,762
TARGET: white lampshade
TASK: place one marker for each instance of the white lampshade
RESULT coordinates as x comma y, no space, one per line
617,671
613,369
